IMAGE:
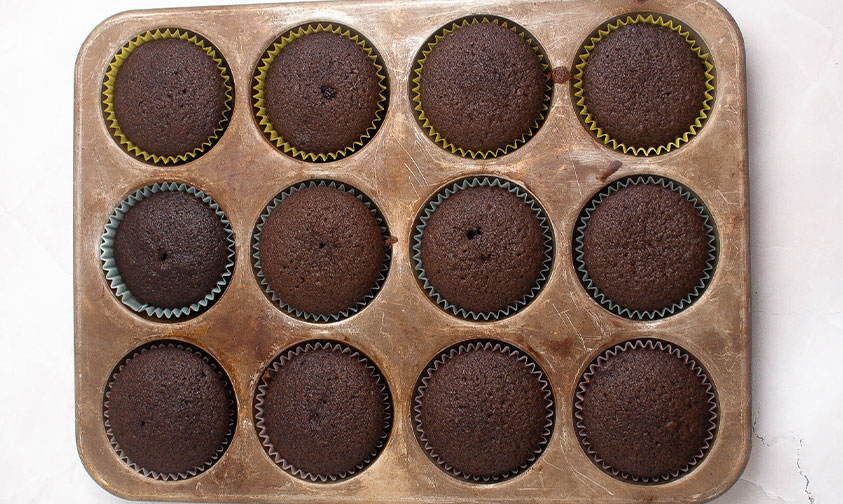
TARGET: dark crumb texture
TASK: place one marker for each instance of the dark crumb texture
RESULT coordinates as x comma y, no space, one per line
646,413
169,97
484,412
321,92
171,249
325,412
646,247
482,87
643,85
483,249
322,251
169,411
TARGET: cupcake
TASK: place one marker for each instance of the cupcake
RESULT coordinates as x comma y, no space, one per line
167,96
320,92
483,411
645,247
646,412
168,250
322,411
169,411
483,248
481,87
321,251
644,85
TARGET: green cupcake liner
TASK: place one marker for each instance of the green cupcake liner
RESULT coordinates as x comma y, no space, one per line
415,91
109,264
115,445
607,303
588,120
256,263
442,195
259,107
661,346
111,79
260,394
471,346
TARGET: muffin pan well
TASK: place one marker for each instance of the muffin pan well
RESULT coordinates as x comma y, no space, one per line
401,331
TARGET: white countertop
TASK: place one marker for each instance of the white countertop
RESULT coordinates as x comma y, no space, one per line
794,50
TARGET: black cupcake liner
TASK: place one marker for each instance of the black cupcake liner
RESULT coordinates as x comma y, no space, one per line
229,392
258,410
662,346
471,347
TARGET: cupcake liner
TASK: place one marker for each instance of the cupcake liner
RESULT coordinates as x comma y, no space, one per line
442,195
268,57
306,316
588,120
662,346
607,303
418,67
472,346
229,391
109,264
111,77
270,373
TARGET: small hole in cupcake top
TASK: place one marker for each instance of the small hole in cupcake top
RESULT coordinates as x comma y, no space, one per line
328,91
471,233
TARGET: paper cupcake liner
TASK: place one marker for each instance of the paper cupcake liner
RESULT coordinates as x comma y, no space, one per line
588,120
588,283
109,264
256,260
415,86
472,346
111,78
268,57
661,346
442,195
260,395
229,392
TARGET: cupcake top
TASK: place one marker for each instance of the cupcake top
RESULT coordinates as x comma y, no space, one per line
482,87
169,97
171,249
645,411
322,251
483,249
483,411
169,411
646,247
643,85
322,92
323,411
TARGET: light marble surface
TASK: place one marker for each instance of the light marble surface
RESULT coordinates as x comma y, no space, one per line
795,88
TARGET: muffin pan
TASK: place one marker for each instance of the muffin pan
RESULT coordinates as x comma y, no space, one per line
401,329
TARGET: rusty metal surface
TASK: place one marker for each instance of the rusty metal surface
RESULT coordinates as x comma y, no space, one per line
401,330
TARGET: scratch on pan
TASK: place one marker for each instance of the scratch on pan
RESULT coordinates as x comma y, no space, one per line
582,476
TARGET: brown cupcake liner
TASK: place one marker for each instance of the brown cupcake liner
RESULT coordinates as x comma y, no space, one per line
226,384
472,346
415,86
661,346
111,78
258,410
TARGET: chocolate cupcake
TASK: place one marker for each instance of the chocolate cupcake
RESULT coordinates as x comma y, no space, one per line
320,92
644,85
169,410
645,247
483,248
646,411
323,411
167,96
321,250
483,411
479,109
168,250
